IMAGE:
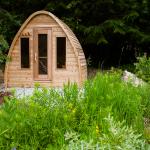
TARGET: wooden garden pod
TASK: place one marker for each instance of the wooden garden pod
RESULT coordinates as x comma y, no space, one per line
45,51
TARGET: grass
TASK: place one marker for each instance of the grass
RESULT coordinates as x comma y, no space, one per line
106,112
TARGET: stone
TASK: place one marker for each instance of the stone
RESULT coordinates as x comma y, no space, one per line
132,78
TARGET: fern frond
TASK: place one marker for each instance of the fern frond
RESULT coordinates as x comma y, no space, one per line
131,17
117,26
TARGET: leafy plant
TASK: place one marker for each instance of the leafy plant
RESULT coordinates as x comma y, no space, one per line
3,48
118,137
143,68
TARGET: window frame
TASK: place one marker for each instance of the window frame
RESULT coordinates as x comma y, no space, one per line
29,52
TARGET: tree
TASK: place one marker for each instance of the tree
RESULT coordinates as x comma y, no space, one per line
112,32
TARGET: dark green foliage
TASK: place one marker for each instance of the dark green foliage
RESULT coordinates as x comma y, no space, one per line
3,48
112,32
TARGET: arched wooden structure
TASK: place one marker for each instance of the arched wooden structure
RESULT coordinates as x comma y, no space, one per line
45,50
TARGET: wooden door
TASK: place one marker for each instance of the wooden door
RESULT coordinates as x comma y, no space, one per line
42,54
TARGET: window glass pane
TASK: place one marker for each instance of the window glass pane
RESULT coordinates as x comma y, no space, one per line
25,53
61,52
42,46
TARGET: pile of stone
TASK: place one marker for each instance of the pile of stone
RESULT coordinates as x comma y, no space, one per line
132,78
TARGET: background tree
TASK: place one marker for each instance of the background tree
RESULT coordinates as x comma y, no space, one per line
112,32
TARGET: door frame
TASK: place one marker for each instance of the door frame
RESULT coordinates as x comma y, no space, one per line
37,76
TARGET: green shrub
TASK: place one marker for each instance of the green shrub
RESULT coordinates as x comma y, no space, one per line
143,68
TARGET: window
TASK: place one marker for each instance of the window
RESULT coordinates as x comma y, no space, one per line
25,52
61,52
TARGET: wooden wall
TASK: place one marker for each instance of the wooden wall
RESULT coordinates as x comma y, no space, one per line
17,77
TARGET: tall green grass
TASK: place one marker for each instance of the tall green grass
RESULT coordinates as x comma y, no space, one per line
42,120
109,91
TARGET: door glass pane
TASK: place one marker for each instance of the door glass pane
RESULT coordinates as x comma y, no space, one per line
42,53
42,40
42,65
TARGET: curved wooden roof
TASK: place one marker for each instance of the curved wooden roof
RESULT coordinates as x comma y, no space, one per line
71,37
